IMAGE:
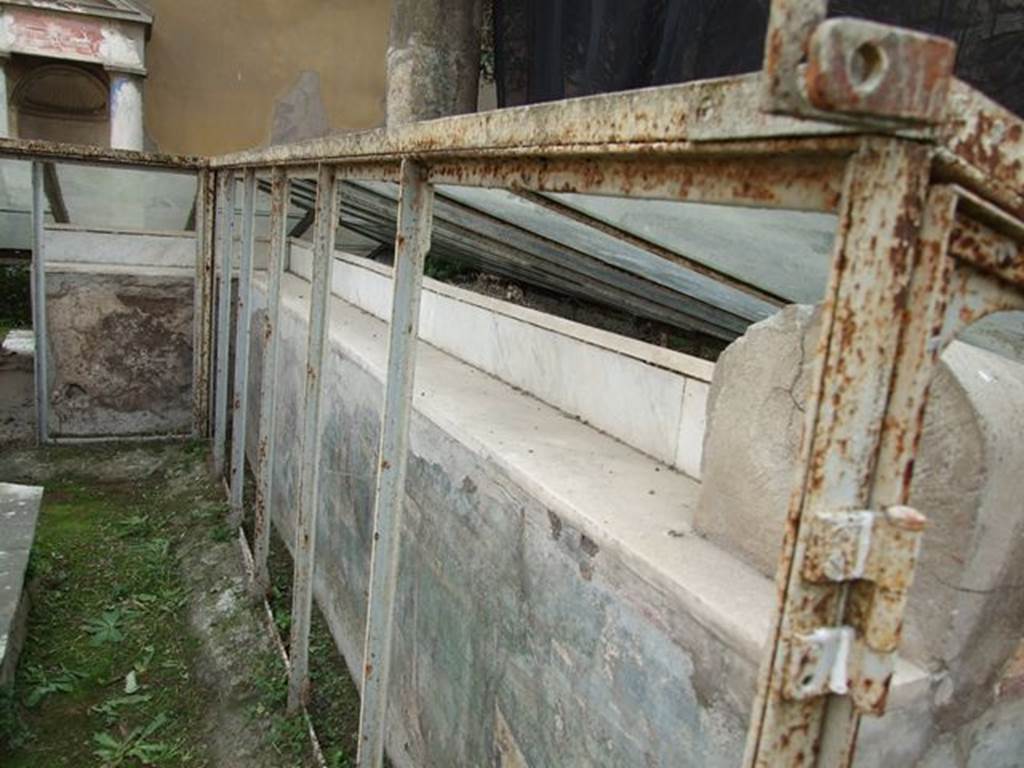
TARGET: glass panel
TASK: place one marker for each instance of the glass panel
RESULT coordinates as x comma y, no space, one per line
1002,333
783,252
117,198
15,205
611,252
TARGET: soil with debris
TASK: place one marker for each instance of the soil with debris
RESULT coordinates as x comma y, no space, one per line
592,314
143,647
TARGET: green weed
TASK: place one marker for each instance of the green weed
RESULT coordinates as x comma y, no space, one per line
115,751
105,629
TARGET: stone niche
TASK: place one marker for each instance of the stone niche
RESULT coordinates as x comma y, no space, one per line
966,608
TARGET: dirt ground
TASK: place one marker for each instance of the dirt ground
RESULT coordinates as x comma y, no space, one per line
143,646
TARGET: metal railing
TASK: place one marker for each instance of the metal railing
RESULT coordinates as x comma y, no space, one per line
929,198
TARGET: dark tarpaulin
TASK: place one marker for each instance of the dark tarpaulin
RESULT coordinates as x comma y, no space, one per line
553,49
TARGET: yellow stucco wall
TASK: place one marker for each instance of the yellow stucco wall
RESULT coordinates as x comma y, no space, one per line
218,67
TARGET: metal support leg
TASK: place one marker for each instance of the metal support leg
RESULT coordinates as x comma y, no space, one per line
309,497
876,251
202,305
39,303
262,518
411,245
225,233
243,321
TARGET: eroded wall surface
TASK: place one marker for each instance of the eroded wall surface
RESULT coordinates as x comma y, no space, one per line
120,353
524,637
520,640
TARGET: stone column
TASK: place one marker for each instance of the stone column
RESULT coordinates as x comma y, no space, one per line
126,111
433,66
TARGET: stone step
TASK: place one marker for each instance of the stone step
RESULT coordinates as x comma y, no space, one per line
19,513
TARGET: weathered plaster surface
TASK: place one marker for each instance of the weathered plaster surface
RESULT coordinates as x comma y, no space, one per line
526,625
43,32
210,91
300,113
120,350
555,606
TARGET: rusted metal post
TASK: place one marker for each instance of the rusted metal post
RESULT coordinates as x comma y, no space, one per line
225,232
202,305
304,550
262,513
821,671
38,279
412,241
243,323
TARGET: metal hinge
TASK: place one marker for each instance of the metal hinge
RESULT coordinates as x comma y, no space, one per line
878,552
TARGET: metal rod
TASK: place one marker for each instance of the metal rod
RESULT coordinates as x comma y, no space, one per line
202,304
243,322
412,241
38,279
225,245
265,464
309,497
84,154
51,185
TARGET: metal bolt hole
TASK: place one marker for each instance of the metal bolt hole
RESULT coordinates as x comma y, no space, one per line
867,66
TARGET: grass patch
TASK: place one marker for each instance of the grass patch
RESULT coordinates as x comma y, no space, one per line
15,298
334,698
105,676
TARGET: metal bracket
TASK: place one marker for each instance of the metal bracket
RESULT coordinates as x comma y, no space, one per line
863,68
851,70
879,551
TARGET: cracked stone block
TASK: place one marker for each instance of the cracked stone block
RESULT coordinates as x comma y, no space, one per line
966,607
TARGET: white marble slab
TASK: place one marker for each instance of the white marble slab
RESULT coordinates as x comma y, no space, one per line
632,391
690,448
20,342
94,246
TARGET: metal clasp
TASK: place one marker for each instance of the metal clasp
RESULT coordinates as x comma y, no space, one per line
877,553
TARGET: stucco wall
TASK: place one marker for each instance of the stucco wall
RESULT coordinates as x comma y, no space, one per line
219,70
119,326
524,632
555,607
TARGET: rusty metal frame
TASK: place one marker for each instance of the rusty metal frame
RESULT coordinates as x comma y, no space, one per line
304,547
203,304
39,320
223,256
928,183
243,323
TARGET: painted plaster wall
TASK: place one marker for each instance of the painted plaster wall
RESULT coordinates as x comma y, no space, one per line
120,352
525,638
119,325
532,629
232,74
